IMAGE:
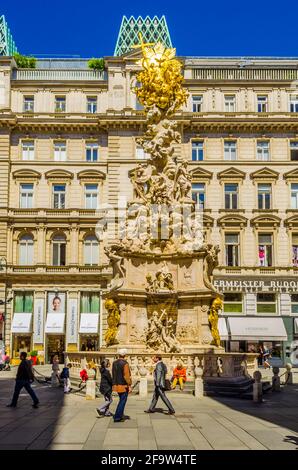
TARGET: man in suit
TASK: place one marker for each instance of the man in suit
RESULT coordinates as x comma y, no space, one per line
160,386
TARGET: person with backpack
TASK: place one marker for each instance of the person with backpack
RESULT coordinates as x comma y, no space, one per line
65,376
24,378
105,388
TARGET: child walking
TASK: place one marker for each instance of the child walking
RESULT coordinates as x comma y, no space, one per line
65,376
105,388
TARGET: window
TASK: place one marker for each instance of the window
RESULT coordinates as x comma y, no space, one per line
59,250
91,152
262,103
265,249
231,196
28,150
197,151
230,150
264,196
91,104
294,196
263,151
232,249
91,196
140,153
294,151
26,252
233,302
60,151
197,103
293,104
294,303
60,104
230,103
91,251
198,194
266,303
295,249
59,196
26,196
23,302
90,302
28,104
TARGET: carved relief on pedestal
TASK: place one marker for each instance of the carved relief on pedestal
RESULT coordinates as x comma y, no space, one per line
161,281
138,325
161,333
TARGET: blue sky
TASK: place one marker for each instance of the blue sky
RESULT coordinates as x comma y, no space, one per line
215,28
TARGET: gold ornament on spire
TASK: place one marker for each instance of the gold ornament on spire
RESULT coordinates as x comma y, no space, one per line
161,78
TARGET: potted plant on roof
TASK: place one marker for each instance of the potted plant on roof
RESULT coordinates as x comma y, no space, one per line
33,357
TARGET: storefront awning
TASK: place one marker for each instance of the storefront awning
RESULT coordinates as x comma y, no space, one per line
89,323
222,328
55,323
259,329
21,323
296,325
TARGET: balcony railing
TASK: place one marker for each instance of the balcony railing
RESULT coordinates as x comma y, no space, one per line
97,213
58,75
244,74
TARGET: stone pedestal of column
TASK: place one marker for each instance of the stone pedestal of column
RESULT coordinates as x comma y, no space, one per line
143,387
90,390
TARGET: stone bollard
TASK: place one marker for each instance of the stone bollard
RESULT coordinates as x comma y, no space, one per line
257,387
288,375
90,390
199,385
143,385
275,380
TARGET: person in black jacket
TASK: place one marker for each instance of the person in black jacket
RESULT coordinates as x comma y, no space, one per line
23,379
105,389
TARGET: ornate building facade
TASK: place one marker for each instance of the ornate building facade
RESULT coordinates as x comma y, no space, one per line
67,145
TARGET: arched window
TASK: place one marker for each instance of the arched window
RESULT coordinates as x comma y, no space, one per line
26,250
91,250
59,250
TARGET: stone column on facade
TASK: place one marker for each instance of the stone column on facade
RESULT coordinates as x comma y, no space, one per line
74,244
128,91
41,245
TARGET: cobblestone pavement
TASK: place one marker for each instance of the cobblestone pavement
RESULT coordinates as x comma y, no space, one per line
70,422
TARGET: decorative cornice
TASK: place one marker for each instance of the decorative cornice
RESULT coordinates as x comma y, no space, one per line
59,175
25,174
231,173
265,221
232,220
291,175
200,173
91,175
264,173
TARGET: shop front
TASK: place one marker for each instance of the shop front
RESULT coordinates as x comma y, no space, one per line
89,336
55,327
21,327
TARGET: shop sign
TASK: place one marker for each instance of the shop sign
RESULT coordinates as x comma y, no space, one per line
72,321
256,285
38,321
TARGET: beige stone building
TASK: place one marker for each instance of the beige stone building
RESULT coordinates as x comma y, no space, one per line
67,145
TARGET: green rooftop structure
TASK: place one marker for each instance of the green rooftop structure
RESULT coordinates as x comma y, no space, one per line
7,44
153,30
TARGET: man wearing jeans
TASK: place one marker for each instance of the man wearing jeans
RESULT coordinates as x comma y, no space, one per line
23,379
121,384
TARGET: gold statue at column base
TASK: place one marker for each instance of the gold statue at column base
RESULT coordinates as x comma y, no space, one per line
216,305
113,322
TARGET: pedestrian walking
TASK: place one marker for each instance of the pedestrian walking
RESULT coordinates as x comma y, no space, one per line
159,375
105,388
24,378
65,376
260,356
121,384
55,372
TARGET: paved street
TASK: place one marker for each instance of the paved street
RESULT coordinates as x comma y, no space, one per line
70,422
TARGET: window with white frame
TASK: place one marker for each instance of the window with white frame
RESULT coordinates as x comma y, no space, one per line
197,150
230,150
91,151
198,194
26,250
293,104
294,304
295,249
231,196
91,250
264,196
28,150
266,303
26,196
262,101
197,101
263,150
232,249
230,103
59,192
265,249
60,151
28,104
294,196
233,302
294,151
92,104
59,250
60,104
91,196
